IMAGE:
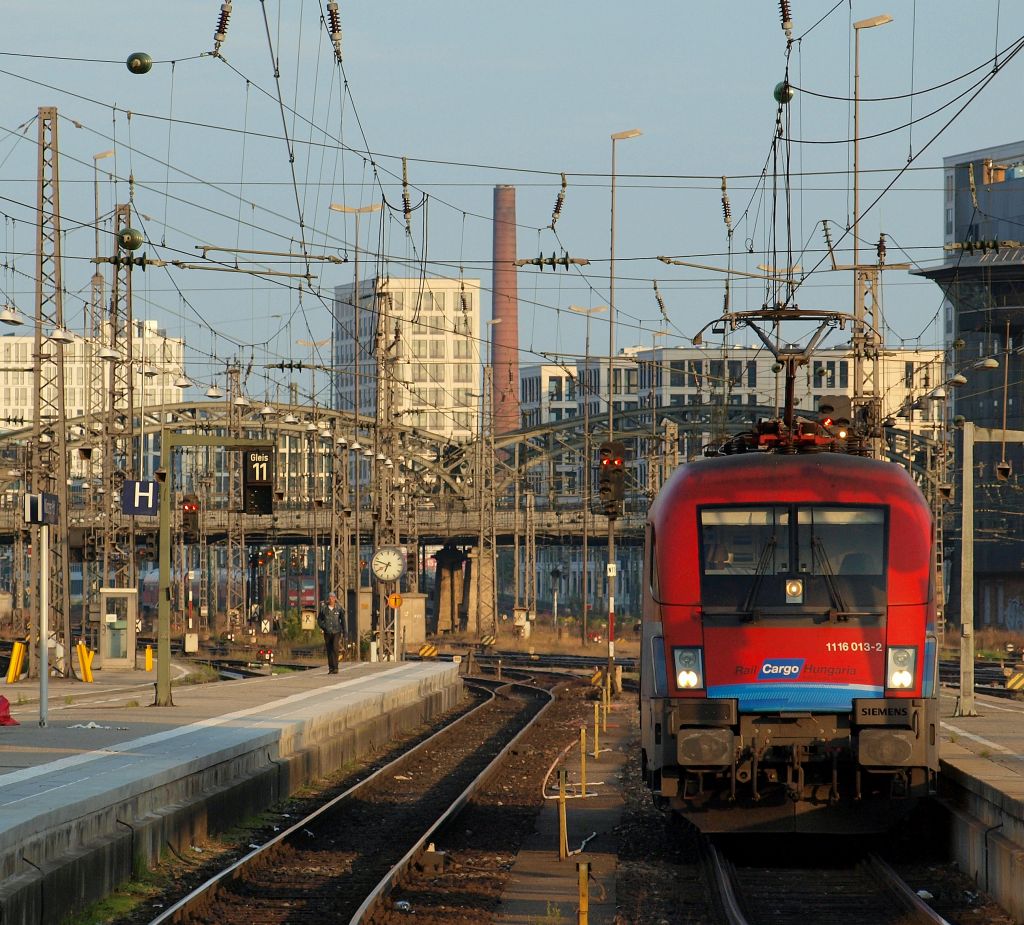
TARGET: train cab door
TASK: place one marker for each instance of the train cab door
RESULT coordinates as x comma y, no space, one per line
118,626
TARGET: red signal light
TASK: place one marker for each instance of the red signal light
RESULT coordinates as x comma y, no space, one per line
826,422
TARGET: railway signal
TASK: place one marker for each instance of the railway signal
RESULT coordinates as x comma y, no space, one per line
835,414
612,476
190,516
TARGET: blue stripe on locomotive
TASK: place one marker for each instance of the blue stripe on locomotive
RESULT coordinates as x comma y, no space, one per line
793,695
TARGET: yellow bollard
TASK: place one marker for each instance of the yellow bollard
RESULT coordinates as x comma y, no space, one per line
596,728
583,871
604,710
85,662
17,657
149,658
583,761
563,828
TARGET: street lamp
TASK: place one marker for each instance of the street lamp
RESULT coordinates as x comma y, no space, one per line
356,319
616,136
96,158
870,23
586,459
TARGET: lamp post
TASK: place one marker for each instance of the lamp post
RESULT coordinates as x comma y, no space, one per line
617,136
96,158
356,320
870,23
586,461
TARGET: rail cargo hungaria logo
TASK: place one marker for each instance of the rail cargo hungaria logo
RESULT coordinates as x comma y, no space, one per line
780,669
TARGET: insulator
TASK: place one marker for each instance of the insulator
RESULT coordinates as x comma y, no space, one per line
726,207
786,14
881,249
559,202
406,203
334,26
661,301
221,32
974,189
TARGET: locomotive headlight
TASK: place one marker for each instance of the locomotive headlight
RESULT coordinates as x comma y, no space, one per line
689,665
900,664
794,591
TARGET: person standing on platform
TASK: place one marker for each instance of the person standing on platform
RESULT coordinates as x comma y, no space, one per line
331,620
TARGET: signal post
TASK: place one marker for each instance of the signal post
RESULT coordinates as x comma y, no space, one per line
257,492
612,489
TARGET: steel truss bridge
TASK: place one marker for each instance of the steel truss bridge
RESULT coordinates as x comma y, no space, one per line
443,496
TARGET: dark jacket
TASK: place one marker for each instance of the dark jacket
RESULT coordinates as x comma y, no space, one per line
331,619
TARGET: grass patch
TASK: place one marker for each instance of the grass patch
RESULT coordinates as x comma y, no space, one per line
200,674
124,900
553,916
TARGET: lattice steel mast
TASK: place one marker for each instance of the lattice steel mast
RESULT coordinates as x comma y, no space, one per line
49,431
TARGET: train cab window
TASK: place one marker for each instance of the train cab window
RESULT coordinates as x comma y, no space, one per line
793,560
652,566
746,541
841,540
845,546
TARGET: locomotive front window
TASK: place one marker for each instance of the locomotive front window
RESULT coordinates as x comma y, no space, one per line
745,541
843,541
793,559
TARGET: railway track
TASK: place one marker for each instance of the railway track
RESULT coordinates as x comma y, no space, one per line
340,862
865,891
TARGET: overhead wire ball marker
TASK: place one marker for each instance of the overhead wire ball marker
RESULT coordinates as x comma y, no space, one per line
130,239
139,62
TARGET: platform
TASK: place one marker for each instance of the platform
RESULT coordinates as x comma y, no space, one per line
110,782
982,782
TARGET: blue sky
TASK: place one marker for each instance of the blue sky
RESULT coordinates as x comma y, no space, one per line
476,95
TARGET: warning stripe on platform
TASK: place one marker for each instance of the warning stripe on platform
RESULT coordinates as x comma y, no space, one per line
428,651
1015,682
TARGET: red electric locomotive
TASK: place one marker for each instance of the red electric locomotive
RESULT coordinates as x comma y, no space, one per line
789,654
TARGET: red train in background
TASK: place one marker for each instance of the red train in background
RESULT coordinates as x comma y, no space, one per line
788,668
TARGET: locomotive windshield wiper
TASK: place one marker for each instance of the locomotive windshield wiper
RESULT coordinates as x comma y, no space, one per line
767,554
835,595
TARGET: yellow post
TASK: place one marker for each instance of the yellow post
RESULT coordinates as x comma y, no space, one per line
85,662
563,828
583,871
149,658
17,657
583,761
604,708
597,727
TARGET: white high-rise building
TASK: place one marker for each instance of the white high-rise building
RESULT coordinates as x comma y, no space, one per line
158,360
426,332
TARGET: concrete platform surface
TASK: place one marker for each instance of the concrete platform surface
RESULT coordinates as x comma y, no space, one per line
110,782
